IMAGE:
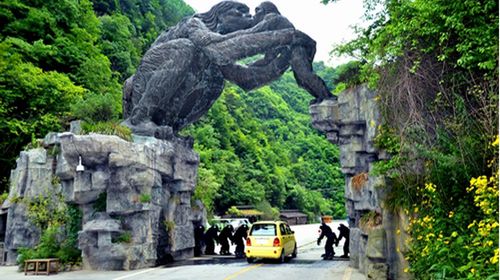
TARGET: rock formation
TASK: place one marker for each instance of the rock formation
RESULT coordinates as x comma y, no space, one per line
351,122
146,184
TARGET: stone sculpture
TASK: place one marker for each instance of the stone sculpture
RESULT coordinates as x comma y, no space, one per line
183,72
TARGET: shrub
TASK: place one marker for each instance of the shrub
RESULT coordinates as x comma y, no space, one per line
96,108
108,128
3,197
145,198
233,211
124,237
461,243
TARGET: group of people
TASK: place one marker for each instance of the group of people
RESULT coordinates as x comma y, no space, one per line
223,237
331,239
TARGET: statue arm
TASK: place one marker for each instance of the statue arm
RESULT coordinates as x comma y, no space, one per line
259,73
202,36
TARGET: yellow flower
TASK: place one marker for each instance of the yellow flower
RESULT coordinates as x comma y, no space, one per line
494,259
495,143
406,270
450,215
430,187
454,234
472,270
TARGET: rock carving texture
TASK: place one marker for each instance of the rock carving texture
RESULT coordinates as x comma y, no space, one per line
183,73
148,185
351,122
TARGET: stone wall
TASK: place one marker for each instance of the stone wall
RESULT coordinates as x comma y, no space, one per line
351,122
147,185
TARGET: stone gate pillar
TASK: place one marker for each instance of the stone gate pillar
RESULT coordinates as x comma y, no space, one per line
351,122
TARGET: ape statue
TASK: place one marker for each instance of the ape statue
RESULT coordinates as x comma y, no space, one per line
211,236
344,233
300,59
182,74
225,235
239,239
199,231
331,239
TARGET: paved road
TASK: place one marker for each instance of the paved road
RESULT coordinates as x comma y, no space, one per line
307,265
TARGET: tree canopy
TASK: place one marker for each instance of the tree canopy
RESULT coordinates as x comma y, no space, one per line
57,57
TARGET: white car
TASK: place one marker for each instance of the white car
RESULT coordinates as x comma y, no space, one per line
237,222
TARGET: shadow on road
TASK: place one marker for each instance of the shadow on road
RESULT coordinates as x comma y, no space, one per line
217,259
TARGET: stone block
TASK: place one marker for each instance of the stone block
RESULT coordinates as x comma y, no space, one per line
376,271
52,138
75,127
354,246
376,247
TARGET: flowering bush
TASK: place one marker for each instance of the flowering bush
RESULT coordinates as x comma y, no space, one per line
457,244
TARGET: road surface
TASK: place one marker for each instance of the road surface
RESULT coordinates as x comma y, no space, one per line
308,265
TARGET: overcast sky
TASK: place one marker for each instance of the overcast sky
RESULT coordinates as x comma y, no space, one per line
326,24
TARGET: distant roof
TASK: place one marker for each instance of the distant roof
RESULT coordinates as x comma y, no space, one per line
244,207
292,214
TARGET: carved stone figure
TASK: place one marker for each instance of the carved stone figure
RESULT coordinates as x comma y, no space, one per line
183,72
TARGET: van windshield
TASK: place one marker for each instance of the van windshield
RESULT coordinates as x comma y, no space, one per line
263,230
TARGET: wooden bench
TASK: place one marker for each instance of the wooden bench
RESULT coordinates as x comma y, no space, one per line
41,266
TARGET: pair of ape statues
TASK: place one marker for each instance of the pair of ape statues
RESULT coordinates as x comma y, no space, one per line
183,73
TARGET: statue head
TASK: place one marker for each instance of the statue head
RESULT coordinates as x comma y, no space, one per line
263,9
226,17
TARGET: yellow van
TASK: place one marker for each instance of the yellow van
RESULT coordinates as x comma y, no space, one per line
270,240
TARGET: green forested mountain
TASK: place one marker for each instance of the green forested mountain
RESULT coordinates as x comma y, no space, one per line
260,146
67,59
63,59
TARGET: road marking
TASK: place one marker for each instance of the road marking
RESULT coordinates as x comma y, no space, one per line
135,274
232,276
347,273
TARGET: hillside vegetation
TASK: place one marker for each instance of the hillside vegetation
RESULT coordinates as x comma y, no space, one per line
435,67
260,147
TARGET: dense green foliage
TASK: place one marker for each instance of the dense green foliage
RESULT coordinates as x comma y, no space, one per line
67,59
58,223
435,67
259,147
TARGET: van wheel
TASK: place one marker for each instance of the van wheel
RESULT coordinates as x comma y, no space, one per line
294,254
250,260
